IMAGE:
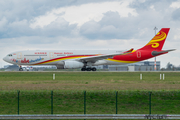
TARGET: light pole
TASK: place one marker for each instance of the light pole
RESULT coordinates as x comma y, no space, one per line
155,29
155,57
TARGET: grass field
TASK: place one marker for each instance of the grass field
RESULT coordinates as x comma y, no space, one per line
68,87
90,81
129,102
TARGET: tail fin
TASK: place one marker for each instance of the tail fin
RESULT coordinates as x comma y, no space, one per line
158,41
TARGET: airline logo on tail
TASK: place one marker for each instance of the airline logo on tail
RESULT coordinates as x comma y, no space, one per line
159,37
158,41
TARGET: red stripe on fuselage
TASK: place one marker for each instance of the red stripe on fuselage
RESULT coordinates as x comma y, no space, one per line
61,58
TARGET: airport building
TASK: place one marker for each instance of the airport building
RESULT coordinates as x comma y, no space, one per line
11,68
139,66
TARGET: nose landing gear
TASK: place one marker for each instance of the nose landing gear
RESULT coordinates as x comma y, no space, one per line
20,68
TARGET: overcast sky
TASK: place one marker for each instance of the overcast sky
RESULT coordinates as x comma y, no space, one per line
88,24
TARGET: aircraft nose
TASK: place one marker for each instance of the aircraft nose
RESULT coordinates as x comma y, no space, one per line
5,59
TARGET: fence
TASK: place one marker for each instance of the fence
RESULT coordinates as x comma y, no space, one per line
115,100
116,103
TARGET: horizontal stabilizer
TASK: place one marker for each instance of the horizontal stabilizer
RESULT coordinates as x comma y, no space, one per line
155,53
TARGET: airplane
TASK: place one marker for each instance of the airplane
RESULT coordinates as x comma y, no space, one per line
86,59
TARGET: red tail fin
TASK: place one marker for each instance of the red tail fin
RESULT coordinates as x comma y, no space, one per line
158,41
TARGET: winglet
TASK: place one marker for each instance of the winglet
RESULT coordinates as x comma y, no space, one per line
129,51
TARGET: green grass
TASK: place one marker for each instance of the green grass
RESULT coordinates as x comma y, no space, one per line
91,81
68,87
129,102
130,76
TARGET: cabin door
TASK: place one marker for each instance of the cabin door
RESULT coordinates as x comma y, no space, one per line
19,55
138,54
51,55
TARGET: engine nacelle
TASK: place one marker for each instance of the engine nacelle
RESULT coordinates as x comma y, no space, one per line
73,64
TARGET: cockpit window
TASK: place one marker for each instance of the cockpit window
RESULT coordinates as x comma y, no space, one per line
10,55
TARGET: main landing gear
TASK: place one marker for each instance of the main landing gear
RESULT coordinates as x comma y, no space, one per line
88,69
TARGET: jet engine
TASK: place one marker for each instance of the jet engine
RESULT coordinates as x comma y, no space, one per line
73,64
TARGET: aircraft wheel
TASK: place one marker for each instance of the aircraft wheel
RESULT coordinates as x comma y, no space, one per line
88,69
93,69
83,69
20,69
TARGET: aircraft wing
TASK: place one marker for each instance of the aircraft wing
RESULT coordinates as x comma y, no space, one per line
100,57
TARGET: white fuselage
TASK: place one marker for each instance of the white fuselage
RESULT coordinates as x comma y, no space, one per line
56,57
